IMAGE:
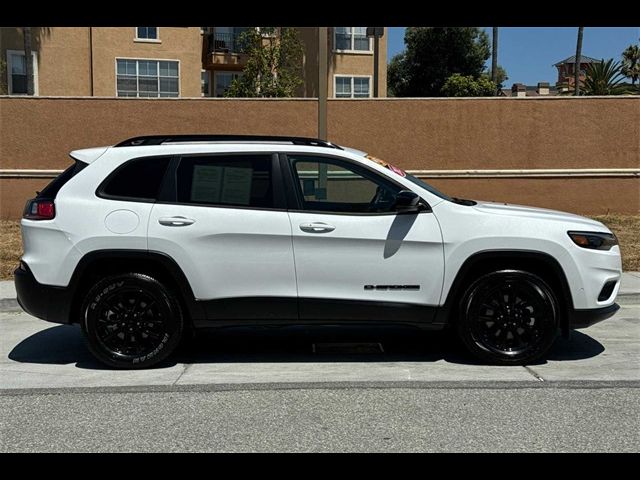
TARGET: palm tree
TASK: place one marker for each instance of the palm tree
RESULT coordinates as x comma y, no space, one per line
28,61
494,56
604,78
576,66
631,63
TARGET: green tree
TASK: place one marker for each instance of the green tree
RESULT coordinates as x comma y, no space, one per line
631,63
274,64
501,77
604,78
432,55
467,86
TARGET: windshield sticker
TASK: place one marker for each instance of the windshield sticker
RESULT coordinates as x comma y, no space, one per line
397,170
393,168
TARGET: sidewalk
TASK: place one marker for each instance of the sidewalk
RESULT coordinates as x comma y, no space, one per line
629,291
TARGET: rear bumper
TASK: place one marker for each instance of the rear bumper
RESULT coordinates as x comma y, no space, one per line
52,304
585,318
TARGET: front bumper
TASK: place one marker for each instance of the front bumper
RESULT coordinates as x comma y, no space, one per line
587,317
46,302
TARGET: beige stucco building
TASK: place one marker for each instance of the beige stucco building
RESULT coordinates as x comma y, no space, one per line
172,61
83,61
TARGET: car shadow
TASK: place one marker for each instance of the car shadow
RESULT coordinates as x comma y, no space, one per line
64,344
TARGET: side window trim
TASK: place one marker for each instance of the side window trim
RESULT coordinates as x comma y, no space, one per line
295,199
169,189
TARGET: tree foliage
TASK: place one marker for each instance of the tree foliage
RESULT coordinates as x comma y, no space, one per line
432,55
467,86
274,66
501,75
604,78
631,63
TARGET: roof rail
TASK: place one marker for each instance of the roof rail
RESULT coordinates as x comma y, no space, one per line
161,139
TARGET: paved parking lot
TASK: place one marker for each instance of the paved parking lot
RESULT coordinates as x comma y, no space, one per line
36,354
300,389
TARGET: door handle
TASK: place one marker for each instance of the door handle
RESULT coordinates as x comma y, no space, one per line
177,221
317,227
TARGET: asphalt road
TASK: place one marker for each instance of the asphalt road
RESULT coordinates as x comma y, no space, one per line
327,420
328,390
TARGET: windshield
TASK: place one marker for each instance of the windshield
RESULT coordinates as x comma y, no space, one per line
427,187
411,178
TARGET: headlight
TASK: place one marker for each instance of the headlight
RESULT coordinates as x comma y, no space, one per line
594,240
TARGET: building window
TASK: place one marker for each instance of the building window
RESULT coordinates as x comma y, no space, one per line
223,81
352,87
204,81
17,72
227,39
147,78
352,39
146,33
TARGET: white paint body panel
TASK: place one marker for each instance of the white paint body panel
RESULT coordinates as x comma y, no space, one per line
229,252
369,250
492,226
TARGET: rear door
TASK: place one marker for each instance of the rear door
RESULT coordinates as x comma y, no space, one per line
224,222
356,258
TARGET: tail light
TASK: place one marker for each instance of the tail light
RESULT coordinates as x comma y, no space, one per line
38,209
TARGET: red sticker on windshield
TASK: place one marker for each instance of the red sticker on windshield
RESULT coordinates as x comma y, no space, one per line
397,170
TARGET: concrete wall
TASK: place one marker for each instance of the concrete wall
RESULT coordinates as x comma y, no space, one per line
415,134
493,133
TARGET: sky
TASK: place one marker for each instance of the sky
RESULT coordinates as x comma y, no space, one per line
528,53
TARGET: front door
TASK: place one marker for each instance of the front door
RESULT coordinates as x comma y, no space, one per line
355,257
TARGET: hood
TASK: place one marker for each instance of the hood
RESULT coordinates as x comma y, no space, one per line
538,213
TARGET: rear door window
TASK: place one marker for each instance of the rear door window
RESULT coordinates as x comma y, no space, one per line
226,180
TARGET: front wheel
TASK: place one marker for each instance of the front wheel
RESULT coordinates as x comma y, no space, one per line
131,321
508,317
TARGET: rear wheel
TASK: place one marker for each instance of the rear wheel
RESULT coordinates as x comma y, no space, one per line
508,317
131,321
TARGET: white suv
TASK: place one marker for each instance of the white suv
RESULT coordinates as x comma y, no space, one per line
145,240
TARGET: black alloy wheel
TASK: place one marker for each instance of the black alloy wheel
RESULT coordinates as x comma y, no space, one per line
131,321
508,317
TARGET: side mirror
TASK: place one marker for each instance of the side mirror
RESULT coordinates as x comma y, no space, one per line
407,202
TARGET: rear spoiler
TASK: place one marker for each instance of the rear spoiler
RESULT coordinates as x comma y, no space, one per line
88,155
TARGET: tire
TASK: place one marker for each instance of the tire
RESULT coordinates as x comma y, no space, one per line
131,321
508,317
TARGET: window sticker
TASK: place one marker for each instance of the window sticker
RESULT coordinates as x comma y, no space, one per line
218,184
236,187
393,168
206,184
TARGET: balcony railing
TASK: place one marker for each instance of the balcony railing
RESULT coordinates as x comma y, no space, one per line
219,42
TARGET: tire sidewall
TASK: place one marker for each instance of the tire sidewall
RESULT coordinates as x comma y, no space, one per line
152,287
482,352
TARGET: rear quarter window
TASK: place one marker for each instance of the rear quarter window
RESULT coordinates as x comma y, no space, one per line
138,179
